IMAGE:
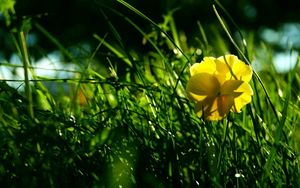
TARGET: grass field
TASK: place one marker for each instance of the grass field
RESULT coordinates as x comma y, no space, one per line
124,120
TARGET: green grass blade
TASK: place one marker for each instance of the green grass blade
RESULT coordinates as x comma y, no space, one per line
26,63
117,52
247,61
201,29
138,29
235,25
279,130
153,23
54,41
174,30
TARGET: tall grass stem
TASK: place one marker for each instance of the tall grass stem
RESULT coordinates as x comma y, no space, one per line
26,64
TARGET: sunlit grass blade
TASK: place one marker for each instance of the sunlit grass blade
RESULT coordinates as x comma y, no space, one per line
153,23
117,52
54,41
26,64
173,29
174,41
247,61
118,37
139,29
284,114
203,34
236,27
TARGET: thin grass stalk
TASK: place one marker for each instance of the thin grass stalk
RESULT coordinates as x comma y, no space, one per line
173,41
154,24
174,31
146,37
247,62
136,68
236,26
54,41
280,130
222,147
201,29
25,60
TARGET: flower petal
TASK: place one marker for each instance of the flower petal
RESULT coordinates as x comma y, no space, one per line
214,109
202,85
207,65
207,109
229,87
219,85
237,68
225,102
244,98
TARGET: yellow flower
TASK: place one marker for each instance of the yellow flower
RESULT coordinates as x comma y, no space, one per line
219,85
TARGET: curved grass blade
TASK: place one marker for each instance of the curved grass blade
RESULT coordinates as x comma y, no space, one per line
117,52
54,41
165,33
247,62
153,23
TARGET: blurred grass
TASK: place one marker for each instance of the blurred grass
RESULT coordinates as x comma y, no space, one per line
131,124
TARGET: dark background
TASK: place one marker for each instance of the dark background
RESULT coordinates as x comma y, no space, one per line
74,21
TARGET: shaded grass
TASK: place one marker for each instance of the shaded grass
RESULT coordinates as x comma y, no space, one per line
135,127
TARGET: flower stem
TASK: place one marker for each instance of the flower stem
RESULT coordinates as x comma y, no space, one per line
25,60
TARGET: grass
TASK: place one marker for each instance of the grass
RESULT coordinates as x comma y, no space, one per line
132,125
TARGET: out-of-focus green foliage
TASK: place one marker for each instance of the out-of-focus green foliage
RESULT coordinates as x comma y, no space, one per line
7,10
